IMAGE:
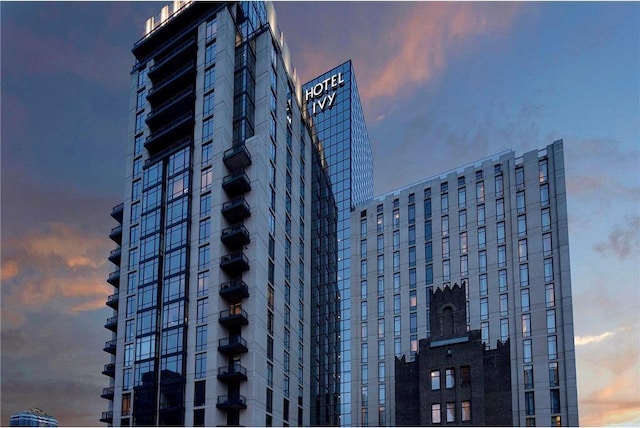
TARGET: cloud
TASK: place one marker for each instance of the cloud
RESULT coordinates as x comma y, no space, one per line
424,40
624,241
60,265
585,340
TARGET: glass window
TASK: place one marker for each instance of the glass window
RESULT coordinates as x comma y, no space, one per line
499,186
554,379
380,306
546,219
504,305
551,321
445,247
462,219
446,270
381,264
524,300
542,171
548,270
464,265
502,280
519,178
450,378
363,310
435,380
552,347
363,227
484,332
364,352
411,214
520,202
530,403
481,215
466,411
484,308
444,225
522,250
544,195
483,284
201,365
381,327
555,400
482,261
528,377
363,247
436,414
500,232
524,275
380,244
500,209
522,225
546,244
462,197
444,203
549,295
526,325
502,256
451,412
463,242
380,222
504,329
428,252
526,350
201,338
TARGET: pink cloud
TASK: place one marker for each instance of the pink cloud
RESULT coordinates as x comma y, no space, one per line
624,241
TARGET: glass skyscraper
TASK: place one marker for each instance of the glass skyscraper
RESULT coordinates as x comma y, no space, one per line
333,108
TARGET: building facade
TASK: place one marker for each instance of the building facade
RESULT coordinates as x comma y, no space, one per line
455,378
211,322
32,418
498,225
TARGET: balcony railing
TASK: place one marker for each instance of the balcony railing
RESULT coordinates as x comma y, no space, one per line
235,236
234,263
109,370
172,56
234,291
107,417
115,255
237,157
231,402
232,345
170,131
117,212
107,393
233,317
236,209
181,99
171,83
112,323
110,346
234,373
112,301
116,234
114,278
236,183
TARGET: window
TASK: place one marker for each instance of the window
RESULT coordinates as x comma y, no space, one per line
520,202
413,300
128,354
208,106
482,237
397,324
412,235
483,284
524,275
522,250
450,380
364,348
397,346
206,178
411,214
526,350
502,280
445,247
435,414
526,325
548,270
211,29
530,403
482,261
481,215
428,252
551,321
363,310
381,327
530,422
480,191
380,306
427,208
363,227
435,380
502,256
542,171
499,187
528,377
396,261
544,195
504,305
462,219
552,347
444,225
555,421
484,332
412,256
380,244
546,244
462,197
484,308
524,300
382,396
549,295
209,78
396,240
446,270
381,263
444,203
519,178
363,247
205,204
201,315
555,400
380,222
546,219
464,265
451,412
363,268
207,128
465,376
554,379
413,318
522,226
500,209
504,330
466,411
500,232
381,371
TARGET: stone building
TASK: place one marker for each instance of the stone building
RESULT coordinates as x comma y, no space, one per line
455,378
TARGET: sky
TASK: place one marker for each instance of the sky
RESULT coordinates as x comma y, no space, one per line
442,85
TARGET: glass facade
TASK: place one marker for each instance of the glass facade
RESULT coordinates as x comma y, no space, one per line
333,109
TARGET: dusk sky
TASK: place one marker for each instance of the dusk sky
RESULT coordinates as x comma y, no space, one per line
442,85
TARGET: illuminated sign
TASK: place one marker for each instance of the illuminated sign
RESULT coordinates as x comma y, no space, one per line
319,95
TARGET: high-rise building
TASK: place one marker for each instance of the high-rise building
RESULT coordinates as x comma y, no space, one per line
32,418
249,197
499,226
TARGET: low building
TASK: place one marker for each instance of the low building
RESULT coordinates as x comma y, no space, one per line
32,418
454,378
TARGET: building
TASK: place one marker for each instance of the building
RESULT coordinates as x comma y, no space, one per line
455,378
211,321
332,104
255,269
32,418
498,225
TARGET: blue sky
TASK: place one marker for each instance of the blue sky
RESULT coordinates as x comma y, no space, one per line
442,84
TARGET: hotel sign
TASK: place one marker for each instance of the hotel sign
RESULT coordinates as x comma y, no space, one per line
322,95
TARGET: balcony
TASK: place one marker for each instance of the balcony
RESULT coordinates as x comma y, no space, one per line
232,345
179,79
236,183
182,101
235,237
116,235
237,157
232,374
117,212
231,402
112,324
115,255
172,60
234,317
234,291
236,210
114,278
109,370
112,301
234,263
110,347
107,393
170,132
107,417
